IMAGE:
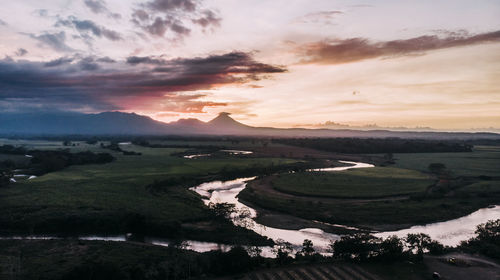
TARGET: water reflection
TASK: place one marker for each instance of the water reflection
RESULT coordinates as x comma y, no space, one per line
451,232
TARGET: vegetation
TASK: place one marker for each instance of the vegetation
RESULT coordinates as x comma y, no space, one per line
487,241
387,214
366,198
70,259
355,183
483,161
377,145
114,199
148,196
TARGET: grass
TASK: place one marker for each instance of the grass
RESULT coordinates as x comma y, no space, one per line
112,198
387,214
355,183
484,188
484,160
378,215
69,259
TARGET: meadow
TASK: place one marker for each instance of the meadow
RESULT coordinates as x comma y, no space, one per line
386,198
483,161
113,198
355,183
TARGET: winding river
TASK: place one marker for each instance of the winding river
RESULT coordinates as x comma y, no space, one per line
450,232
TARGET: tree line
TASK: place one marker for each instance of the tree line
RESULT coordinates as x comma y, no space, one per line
377,145
42,162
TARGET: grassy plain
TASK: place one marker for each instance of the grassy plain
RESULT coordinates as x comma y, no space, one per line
355,183
484,160
366,197
113,198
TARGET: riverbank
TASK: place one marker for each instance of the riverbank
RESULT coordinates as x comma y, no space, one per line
376,199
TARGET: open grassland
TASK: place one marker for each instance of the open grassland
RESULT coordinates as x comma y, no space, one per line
377,215
374,198
484,160
113,198
355,183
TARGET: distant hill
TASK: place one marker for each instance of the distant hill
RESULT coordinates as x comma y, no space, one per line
118,123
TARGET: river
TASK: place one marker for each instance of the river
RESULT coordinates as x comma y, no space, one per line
449,233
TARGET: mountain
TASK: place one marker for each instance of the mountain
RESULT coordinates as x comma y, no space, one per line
118,123
59,123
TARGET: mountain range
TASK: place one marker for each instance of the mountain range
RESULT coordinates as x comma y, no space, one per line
119,123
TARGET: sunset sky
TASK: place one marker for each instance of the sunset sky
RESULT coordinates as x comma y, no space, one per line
281,63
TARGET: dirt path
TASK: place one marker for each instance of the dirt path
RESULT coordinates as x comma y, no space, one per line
463,267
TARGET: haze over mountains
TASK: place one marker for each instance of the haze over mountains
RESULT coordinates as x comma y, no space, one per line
118,123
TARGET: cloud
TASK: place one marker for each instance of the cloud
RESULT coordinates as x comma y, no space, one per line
58,62
171,5
322,17
231,64
87,82
86,26
357,49
21,52
134,60
3,23
172,17
186,103
57,41
208,18
99,7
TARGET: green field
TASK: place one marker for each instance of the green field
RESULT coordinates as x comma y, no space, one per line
367,197
355,183
113,198
484,160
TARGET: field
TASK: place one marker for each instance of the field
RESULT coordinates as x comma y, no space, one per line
113,198
484,160
355,183
383,198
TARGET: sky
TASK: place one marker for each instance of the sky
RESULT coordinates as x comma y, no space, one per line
282,63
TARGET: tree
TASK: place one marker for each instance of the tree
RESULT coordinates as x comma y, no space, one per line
282,249
358,247
391,248
487,241
489,231
222,210
418,242
254,251
307,248
244,218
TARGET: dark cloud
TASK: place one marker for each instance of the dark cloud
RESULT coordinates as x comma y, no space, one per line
84,81
105,60
85,26
21,52
171,5
57,41
134,60
163,17
99,7
207,19
58,62
356,49
88,64
2,23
